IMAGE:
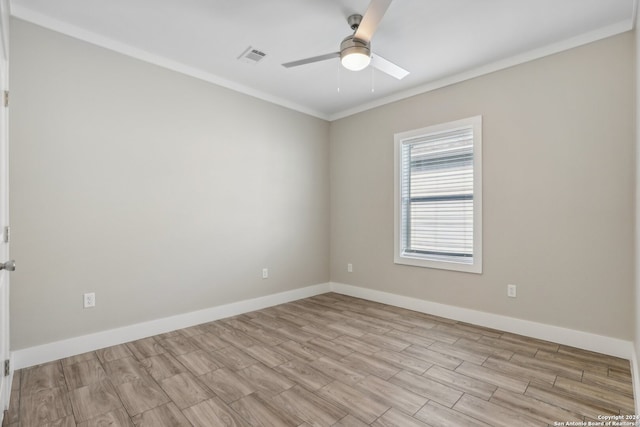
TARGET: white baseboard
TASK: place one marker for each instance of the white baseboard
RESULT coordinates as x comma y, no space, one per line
635,380
57,350
52,351
570,337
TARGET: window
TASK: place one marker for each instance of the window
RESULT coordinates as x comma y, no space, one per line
438,181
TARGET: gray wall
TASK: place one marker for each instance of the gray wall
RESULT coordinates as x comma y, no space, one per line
161,193
558,161
165,194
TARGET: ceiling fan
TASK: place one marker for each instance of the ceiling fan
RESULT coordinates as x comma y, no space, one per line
355,50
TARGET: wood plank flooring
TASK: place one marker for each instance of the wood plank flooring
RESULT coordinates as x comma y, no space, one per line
329,360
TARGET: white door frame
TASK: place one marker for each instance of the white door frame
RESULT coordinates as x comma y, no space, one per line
5,381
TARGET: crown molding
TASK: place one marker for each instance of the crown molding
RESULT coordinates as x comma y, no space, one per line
28,15
502,64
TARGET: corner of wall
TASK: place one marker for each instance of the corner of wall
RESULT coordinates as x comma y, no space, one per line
635,369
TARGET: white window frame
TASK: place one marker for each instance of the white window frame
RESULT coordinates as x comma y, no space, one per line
474,123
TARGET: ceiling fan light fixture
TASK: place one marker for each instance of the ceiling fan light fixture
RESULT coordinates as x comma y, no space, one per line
355,55
355,61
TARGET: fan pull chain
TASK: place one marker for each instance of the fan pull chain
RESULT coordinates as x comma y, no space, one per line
338,75
373,80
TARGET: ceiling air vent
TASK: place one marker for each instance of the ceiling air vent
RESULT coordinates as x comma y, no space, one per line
251,55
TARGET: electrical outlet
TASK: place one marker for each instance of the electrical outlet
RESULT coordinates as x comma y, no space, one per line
265,273
89,300
511,291
350,268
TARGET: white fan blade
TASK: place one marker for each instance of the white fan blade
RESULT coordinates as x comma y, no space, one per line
371,19
311,60
378,62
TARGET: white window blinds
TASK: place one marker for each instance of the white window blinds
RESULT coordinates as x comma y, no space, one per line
437,196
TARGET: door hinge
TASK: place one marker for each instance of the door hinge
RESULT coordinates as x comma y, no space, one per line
7,367
7,234
6,98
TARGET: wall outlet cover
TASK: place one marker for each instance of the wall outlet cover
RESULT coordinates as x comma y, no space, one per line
89,300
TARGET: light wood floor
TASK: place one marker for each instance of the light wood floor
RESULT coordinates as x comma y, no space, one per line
329,360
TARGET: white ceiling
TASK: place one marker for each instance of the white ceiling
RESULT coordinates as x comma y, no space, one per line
438,41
